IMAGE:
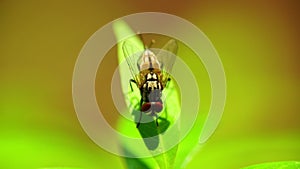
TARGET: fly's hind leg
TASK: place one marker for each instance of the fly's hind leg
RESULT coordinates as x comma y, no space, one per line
141,113
138,124
156,120
131,81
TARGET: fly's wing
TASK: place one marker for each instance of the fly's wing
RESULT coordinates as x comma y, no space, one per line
166,56
132,53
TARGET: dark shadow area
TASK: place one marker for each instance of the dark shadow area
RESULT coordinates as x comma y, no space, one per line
150,131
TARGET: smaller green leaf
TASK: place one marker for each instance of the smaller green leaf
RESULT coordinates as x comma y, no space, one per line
276,165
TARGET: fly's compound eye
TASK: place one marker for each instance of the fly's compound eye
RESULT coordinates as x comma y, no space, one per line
157,106
152,106
146,107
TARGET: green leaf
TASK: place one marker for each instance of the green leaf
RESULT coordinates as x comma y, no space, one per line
155,140
276,165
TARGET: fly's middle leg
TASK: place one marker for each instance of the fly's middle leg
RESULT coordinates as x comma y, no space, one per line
131,81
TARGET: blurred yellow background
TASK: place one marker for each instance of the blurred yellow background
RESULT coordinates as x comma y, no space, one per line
258,43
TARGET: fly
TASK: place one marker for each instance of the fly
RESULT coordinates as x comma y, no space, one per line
151,74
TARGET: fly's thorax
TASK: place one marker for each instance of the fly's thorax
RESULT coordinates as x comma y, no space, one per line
143,76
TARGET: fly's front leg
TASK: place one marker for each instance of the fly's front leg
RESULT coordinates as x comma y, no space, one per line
168,81
131,81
